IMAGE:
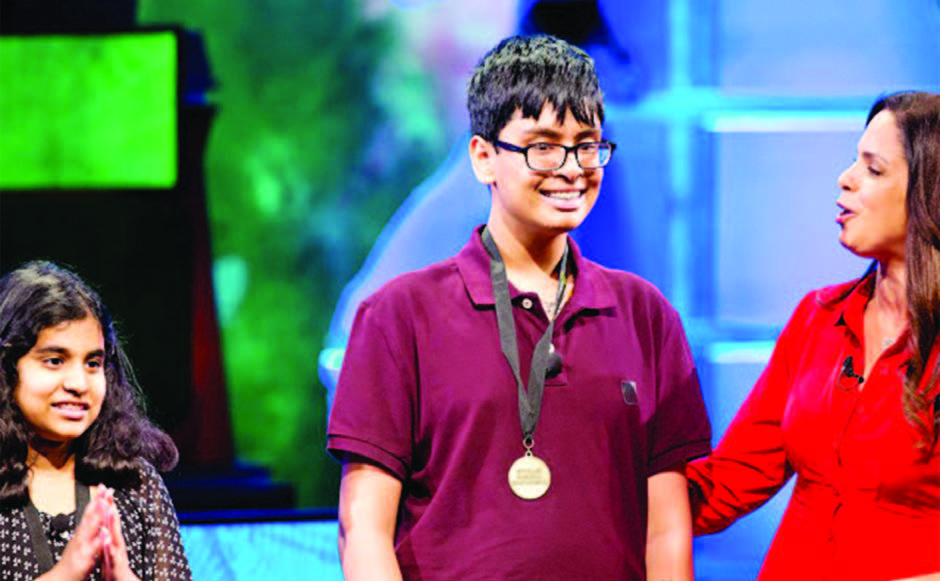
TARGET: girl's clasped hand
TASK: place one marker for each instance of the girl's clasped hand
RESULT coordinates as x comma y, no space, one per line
97,540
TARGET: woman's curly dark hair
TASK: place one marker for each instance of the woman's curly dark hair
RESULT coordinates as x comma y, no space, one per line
40,295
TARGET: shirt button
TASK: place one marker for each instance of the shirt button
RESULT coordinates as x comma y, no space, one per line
527,303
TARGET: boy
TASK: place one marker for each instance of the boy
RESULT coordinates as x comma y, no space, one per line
517,411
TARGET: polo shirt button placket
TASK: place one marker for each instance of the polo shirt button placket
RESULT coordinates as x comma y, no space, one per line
527,304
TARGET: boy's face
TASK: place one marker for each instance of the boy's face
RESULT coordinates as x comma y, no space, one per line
531,202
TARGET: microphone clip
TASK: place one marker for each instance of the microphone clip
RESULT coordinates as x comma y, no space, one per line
848,375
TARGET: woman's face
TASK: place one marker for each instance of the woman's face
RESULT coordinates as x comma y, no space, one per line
61,380
874,188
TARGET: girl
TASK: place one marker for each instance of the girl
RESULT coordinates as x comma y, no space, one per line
80,496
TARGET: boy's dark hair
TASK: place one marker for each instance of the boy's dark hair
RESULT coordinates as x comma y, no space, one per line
525,72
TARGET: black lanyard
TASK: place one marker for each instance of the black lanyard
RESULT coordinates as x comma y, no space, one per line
41,547
530,401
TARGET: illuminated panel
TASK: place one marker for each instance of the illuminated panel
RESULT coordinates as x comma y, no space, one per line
93,111
263,550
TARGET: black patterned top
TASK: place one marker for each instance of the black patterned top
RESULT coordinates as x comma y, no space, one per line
148,523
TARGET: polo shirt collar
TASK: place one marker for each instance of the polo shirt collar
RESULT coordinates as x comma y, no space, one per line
473,263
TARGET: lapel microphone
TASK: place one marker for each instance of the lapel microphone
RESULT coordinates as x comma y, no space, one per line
60,525
554,362
848,370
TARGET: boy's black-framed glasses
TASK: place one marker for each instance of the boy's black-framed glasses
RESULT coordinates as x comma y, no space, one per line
552,156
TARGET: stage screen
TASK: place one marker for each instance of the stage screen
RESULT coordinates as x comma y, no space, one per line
88,111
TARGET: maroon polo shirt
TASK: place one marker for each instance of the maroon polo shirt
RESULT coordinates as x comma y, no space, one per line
426,392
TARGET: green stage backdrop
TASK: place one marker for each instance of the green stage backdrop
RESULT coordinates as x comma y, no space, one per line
321,131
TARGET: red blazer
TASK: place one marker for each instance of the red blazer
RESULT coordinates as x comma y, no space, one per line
866,504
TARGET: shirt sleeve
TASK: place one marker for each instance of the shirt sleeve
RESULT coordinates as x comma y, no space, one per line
372,415
749,465
680,430
164,555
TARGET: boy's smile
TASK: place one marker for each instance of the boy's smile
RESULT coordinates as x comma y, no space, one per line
534,202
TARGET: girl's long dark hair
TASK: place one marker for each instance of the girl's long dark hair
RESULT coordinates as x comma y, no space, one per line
917,115
41,295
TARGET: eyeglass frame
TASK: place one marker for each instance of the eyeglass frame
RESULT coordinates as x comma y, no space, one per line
568,149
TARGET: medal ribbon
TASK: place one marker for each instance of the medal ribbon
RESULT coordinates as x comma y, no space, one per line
530,400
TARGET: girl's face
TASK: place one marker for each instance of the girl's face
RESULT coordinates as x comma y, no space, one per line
61,380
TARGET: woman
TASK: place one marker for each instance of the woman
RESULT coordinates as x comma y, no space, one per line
70,420
849,400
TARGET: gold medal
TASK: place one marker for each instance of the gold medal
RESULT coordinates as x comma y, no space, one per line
529,477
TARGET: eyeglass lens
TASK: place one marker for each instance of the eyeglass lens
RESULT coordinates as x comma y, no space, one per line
549,156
